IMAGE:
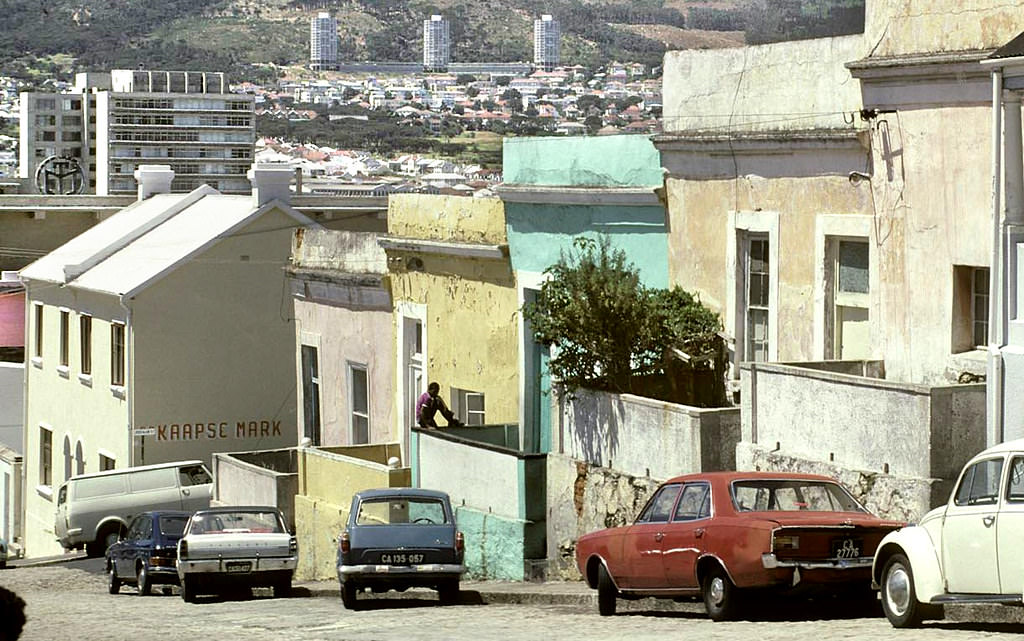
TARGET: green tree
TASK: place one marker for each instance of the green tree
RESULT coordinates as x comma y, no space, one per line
609,329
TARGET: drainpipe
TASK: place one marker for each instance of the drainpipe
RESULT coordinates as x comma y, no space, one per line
129,388
995,358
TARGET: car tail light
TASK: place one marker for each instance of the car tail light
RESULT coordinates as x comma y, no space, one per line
460,543
344,543
183,549
790,542
293,546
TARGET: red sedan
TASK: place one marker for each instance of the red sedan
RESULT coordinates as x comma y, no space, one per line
720,535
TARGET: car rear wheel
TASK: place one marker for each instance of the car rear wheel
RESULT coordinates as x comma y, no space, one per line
721,597
606,592
142,579
188,589
113,583
899,600
448,593
348,595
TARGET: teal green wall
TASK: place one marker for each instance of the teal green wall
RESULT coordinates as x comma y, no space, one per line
494,545
582,161
539,233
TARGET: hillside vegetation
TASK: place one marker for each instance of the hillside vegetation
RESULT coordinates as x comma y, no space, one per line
233,35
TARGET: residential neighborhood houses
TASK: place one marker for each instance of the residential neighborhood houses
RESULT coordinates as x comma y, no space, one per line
831,199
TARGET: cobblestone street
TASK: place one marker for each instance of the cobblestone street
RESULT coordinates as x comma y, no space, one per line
66,603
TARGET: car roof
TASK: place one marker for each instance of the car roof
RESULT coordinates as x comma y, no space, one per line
1015,445
728,477
139,468
401,491
222,509
167,513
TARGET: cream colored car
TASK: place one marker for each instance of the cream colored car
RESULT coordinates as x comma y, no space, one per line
967,551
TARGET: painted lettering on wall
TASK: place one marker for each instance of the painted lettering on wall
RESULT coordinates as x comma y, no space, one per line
221,430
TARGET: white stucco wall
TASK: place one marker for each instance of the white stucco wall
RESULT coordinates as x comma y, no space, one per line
481,479
786,85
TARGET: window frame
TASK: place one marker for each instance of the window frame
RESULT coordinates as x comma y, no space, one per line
749,347
355,413
39,318
65,338
462,401
106,462
117,354
85,344
969,474
647,513
45,456
311,425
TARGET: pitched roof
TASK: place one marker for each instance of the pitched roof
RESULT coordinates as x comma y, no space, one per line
127,252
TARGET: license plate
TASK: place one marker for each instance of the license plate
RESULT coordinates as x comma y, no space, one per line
238,566
847,548
400,558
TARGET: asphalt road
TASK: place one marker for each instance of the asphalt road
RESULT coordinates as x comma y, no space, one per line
70,601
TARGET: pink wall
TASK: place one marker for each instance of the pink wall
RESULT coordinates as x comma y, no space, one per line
12,318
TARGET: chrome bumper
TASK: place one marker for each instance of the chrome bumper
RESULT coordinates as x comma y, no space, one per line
399,570
219,566
770,562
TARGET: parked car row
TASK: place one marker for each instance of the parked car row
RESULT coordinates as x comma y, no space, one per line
725,536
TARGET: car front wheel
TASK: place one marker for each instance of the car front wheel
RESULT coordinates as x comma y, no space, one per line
899,600
606,592
721,597
113,583
142,579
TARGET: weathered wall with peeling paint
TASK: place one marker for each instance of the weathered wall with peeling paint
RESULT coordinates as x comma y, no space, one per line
471,333
896,27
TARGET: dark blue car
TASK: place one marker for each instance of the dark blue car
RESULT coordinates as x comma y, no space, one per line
397,538
147,552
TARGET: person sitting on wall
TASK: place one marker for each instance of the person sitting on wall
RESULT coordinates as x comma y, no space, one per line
430,404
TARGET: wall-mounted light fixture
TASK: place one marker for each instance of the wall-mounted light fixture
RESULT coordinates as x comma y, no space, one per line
856,177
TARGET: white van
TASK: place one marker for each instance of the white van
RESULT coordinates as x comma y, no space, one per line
92,508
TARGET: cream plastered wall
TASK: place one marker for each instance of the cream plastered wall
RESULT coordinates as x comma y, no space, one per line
699,256
933,211
344,336
215,349
895,27
785,85
455,218
82,408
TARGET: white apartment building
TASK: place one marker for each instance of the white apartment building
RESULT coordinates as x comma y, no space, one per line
164,333
114,122
437,44
323,42
547,43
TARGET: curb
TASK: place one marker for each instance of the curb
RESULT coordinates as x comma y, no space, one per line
44,561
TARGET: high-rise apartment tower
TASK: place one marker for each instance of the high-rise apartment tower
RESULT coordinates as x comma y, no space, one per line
323,42
547,43
114,122
437,44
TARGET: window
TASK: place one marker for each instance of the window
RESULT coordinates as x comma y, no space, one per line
310,394
468,406
359,399
79,459
67,457
659,508
45,457
193,475
970,308
117,354
106,463
46,103
1015,488
85,343
980,483
757,289
65,339
694,503
39,330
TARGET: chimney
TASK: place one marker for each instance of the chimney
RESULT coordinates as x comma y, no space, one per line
153,179
270,182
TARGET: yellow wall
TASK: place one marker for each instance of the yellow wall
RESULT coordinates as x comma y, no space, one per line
327,481
471,331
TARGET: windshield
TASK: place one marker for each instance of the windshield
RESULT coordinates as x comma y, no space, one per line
235,522
392,510
173,525
785,495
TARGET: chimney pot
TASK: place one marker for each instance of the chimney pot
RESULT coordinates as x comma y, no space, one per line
270,182
153,179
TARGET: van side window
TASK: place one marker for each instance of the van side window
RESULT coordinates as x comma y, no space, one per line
62,495
194,475
147,480
99,486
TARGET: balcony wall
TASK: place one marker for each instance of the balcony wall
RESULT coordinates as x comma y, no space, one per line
265,477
